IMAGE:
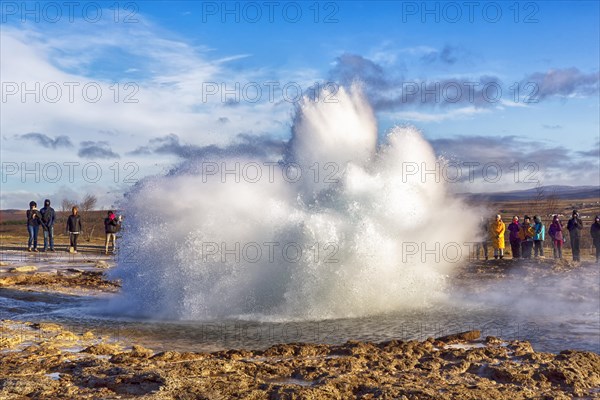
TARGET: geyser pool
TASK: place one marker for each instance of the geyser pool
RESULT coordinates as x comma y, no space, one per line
326,244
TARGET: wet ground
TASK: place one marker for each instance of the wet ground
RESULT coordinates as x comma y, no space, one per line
462,366
545,302
58,341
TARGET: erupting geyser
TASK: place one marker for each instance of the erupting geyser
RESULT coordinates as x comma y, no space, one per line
321,234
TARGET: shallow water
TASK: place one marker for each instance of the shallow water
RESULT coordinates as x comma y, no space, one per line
554,312
80,314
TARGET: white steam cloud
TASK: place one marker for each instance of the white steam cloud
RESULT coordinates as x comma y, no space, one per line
320,234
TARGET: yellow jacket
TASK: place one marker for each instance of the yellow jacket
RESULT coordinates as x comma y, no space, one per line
526,232
497,229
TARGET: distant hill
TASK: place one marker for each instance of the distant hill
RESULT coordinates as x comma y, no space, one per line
561,192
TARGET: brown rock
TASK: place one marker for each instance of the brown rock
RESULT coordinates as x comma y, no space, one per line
24,268
103,349
67,336
506,373
47,327
520,348
575,369
390,370
296,349
458,368
140,351
101,264
461,337
493,340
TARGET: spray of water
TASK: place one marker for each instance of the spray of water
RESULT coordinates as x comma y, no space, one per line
322,234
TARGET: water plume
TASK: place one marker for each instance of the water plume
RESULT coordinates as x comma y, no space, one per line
321,234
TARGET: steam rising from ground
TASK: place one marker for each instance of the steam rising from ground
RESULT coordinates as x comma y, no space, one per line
321,234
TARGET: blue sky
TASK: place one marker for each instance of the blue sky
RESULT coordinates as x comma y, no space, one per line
166,55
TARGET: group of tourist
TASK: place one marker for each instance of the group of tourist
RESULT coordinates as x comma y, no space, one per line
46,217
525,237
528,237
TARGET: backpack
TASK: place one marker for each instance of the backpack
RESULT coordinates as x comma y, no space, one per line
526,232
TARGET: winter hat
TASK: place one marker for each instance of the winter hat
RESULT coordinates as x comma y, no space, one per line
47,202
32,204
575,212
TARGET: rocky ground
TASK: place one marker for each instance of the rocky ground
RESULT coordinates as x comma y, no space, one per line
535,267
73,281
47,361
76,276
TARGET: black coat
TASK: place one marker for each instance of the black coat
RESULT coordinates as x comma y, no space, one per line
574,226
34,218
74,223
595,232
48,216
111,225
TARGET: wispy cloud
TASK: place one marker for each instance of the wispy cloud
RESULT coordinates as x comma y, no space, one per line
46,141
568,82
519,159
446,55
416,116
96,150
389,91
551,127
244,145
165,81
594,152
351,67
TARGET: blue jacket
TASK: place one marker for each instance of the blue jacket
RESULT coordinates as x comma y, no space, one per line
540,231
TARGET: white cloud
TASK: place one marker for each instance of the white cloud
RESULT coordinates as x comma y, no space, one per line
460,113
169,77
170,99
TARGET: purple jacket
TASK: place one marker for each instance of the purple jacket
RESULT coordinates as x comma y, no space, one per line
514,232
555,231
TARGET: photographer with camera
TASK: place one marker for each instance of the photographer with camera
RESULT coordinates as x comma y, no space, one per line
111,227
